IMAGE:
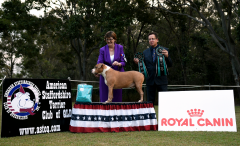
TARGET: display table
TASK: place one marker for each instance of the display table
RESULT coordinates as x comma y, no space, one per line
113,117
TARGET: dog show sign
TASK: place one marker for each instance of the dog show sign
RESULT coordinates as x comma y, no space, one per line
35,106
196,111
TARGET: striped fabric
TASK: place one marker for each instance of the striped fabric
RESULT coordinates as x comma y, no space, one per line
114,117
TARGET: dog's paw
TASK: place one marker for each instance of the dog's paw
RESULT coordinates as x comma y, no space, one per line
108,101
140,100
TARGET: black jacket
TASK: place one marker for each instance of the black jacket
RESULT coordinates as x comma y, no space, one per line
151,68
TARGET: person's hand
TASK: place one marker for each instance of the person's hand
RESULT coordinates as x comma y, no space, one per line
165,53
136,60
97,75
116,63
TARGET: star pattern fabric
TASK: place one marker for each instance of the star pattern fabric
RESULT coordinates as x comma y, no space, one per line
113,118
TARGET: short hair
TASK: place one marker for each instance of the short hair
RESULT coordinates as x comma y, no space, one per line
154,33
110,34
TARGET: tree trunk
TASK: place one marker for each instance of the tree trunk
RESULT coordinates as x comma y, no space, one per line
11,66
77,50
80,66
84,61
129,38
234,61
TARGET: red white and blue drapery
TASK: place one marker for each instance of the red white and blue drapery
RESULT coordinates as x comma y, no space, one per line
113,117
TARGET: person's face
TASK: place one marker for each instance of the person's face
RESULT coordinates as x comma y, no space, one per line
152,40
110,41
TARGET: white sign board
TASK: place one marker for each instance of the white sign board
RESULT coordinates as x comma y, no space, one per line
210,110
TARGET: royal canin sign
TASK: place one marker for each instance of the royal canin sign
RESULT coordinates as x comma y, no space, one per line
200,121
175,111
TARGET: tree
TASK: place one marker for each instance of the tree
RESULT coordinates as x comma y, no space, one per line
85,22
55,58
180,29
143,18
16,35
224,12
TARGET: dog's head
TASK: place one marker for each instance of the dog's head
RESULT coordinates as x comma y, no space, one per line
22,101
98,69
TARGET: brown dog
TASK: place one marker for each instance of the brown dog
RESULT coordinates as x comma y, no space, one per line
117,80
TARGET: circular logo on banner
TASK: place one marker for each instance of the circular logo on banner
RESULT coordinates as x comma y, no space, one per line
22,99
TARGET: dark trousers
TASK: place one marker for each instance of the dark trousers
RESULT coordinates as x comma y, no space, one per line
151,91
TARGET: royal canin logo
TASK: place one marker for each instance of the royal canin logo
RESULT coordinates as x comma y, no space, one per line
195,112
200,122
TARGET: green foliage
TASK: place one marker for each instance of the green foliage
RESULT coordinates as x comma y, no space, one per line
19,28
15,16
1,60
238,32
54,61
65,42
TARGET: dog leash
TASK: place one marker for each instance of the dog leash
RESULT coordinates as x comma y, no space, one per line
112,68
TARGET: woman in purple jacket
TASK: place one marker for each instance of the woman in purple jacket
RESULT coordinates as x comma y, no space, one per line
112,55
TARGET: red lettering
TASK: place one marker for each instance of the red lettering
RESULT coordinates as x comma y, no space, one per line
179,121
191,124
171,124
208,122
218,122
185,122
198,122
229,122
222,121
164,121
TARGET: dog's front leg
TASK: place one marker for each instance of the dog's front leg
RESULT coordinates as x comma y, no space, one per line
110,94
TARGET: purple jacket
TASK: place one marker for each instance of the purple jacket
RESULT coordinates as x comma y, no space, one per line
104,57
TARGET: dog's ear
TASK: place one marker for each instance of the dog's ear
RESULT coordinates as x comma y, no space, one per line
100,65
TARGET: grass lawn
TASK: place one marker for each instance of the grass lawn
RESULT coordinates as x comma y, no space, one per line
129,138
